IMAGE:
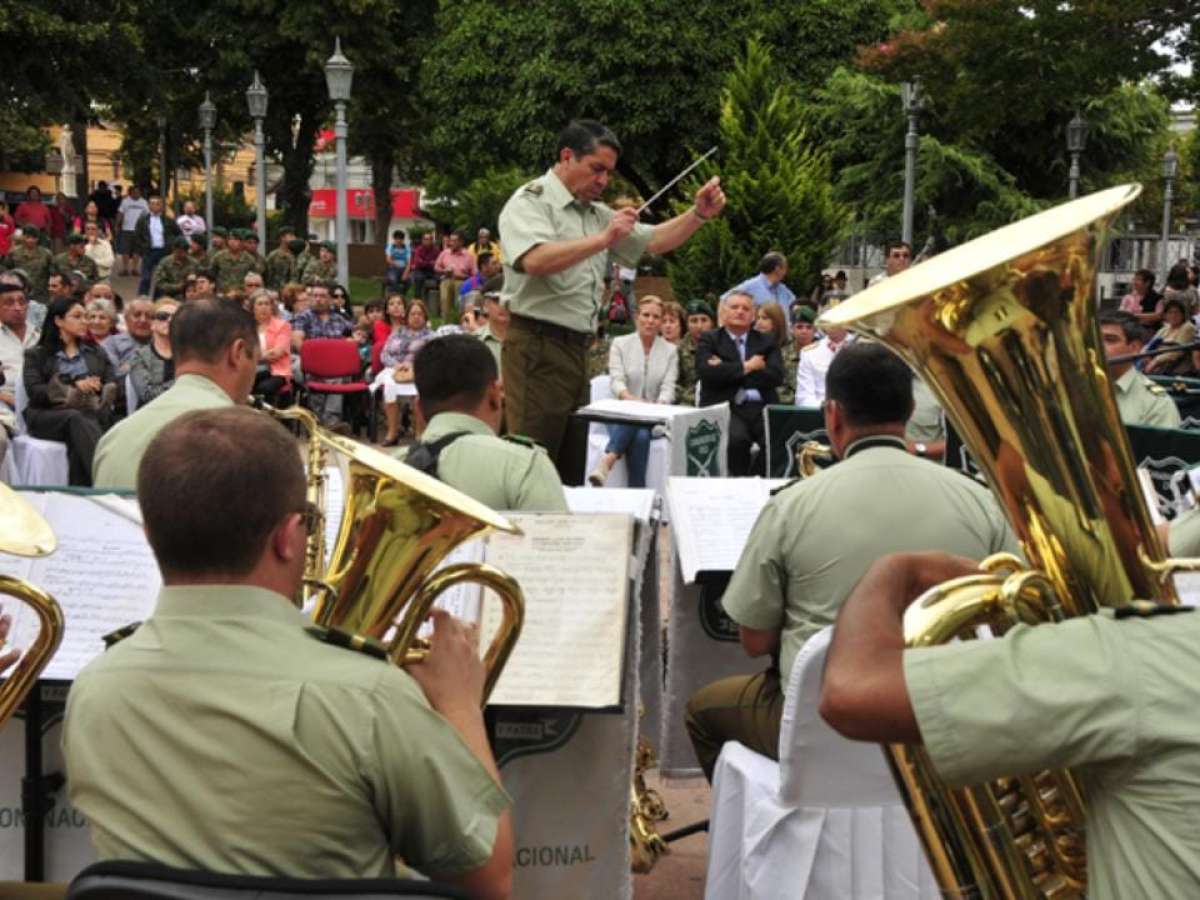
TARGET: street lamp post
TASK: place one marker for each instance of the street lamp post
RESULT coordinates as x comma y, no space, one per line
1077,132
339,74
208,118
1170,168
256,98
913,98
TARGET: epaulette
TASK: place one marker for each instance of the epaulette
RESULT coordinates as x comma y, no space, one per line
1158,389
784,487
115,637
534,187
369,646
523,440
1144,609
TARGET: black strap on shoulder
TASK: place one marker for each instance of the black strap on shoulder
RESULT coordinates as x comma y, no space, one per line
1143,610
424,456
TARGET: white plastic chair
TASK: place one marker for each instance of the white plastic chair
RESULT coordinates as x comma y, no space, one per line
658,467
34,461
824,823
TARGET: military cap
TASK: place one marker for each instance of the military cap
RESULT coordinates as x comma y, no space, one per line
287,229
220,231
251,235
700,308
180,243
30,231
330,246
76,238
804,314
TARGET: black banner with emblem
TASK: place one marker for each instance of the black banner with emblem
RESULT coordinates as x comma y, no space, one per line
787,429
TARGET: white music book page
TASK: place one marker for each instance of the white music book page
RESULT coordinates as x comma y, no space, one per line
637,502
103,575
711,519
574,572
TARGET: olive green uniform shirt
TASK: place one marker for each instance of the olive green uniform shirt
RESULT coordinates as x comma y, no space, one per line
120,451
925,425
542,212
37,264
170,276
814,539
231,270
223,736
1142,402
65,265
502,474
281,268
1116,699
492,342
1184,537
317,272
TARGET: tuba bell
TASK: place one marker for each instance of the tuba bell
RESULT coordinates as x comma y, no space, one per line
1003,329
397,527
25,533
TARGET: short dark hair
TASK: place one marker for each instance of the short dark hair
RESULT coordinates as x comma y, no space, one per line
203,328
1177,277
373,304
1146,275
483,258
1178,304
771,261
213,484
895,245
453,372
871,384
583,135
397,234
207,273
1127,322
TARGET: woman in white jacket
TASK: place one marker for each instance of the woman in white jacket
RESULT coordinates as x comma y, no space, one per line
642,366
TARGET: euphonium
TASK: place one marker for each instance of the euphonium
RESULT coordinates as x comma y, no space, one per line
397,526
25,533
1003,329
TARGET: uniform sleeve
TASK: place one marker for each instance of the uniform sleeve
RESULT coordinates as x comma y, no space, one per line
755,596
438,804
1164,413
806,386
541,490
525,222
1049,696
630,249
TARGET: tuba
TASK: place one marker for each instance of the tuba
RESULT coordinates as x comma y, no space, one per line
26,533
397,527
1003,329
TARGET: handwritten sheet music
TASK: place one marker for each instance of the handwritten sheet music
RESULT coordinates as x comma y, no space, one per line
103,575
574,571
711,519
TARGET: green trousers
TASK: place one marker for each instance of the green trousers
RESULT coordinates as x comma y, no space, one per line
545,380
743,708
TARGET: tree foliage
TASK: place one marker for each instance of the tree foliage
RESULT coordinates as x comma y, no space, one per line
776,178
478,204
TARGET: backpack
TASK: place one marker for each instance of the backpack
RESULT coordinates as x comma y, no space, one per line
618,309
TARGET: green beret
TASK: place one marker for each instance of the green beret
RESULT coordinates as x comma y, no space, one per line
700,308
76,238
296,246
30,231
251,235
180,243
220,231
287,229
330,246
803,314
242,234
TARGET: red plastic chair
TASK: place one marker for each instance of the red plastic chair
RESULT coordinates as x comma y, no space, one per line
322,359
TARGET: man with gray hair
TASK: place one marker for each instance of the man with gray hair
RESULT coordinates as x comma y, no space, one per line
16,336
139,314
767,286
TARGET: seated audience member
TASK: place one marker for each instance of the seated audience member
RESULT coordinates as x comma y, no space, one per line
1139,400
814,363
1142,300
206,283
70,387
322,320
699,320
341,300
397,357
1179,287
422,263
251,282
120,347
394,320
274,372
790,581
495,330
228,689
1176,329
361,335
461,400
643,367
373,312
153,368
743,367
98,250
101,319
674,323
803,334
172,271
215,347
290,299
16,336
1120,715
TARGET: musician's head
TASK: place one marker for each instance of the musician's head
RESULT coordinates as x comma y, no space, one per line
1122,335
222,493
868,391
457,373
217,339
587,156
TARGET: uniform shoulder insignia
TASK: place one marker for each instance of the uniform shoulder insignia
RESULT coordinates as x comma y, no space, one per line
115,637
1143,609
1158,389
522,440
813,346
369,646
784,487
534,187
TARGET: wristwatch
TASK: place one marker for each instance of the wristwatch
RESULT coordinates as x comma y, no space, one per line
920,448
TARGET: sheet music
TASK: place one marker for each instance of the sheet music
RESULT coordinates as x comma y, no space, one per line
637,502
574,573
335,502
711,519
462,601
103,575
636,410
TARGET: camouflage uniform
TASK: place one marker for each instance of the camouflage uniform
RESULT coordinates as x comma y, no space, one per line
791,362
65,265
281,269
260,263
37,264
231,270
685,381
317,271
303,261
170,278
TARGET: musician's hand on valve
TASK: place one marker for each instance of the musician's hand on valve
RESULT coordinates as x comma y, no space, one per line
452,674
6,659
921,571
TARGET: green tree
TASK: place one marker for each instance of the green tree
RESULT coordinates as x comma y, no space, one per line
776,178
478,204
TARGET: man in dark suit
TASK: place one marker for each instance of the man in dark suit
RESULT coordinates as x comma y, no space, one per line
743,367
152,236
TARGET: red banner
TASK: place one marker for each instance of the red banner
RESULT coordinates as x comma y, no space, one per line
360,203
